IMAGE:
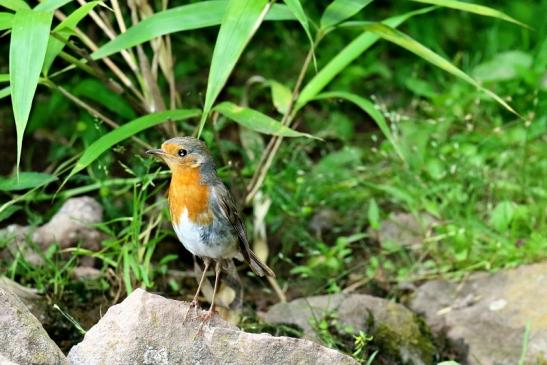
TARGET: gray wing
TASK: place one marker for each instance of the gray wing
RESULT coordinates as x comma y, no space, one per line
228,210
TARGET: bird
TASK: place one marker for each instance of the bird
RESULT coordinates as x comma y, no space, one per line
203,212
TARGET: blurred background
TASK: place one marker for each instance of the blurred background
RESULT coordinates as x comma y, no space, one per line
438,181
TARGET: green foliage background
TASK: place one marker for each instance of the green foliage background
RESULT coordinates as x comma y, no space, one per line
392,133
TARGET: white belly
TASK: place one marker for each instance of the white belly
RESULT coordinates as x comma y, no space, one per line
189,234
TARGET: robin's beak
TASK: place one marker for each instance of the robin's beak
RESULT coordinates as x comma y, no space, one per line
156,152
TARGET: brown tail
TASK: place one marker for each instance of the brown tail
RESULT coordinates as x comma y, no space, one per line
258,267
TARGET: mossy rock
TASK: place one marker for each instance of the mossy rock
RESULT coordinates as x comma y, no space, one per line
398,334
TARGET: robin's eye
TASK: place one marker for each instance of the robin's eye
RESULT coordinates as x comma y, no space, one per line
182,152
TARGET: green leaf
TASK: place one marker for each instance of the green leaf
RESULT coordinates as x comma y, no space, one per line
281,96
4,77
4,92
65,29
393,35
50,5
369,108
240,22
349,54
340,10
187,17
6,19
15,5
256,121
125,131
503,67
502,215
27,180
29,37
373,214
472,8
296,8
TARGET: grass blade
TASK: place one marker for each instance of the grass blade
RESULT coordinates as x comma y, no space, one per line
473,8
15,5
50,5
369,108
29,37
351,52
27,180
186,17
6,19
256,121
125,131
65,29
340,10
240,22
393,35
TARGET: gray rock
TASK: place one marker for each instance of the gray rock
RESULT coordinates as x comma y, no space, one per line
396,331
22,338
71,225
148,329
404,229
485,316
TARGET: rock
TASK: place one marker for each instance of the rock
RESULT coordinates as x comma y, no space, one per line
403,229
148,329
400,336
22,338
71,225
484,317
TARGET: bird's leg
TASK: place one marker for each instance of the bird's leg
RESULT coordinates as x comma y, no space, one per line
209,314
194,302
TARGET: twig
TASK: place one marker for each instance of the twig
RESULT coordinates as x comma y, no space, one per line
274,144
108,62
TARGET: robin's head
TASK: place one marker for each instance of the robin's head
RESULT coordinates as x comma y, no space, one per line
183,152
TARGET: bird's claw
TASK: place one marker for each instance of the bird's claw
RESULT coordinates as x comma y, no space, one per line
193,305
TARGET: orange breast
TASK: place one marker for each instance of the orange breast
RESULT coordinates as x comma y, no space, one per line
186,193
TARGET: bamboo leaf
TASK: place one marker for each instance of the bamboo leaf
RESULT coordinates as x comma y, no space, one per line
28,45
125,131
4,92
50,5
256,121
26,180
187,17
281,96
298,11
65,29
6,20
473,8
340,10
369,108
405,41
239,24
15,5
349,54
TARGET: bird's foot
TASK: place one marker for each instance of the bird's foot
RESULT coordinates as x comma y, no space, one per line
205,318
193,305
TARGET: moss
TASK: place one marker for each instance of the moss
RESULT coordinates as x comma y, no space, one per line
410,343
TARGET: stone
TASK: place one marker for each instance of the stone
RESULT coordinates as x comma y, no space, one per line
403,229
398,333
23,340
484,317
148,329
71,225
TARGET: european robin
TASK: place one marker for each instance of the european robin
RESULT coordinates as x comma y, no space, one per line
203,212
